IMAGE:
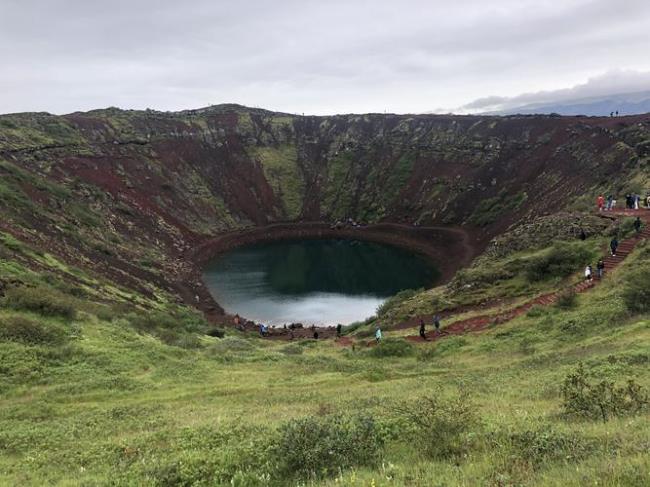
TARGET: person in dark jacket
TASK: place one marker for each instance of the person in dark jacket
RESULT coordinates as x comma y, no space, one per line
423,334
637,224
613,245
436,323
600,268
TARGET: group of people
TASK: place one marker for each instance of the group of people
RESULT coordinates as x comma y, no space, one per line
423,332
436,325
613,247
632,202
600,270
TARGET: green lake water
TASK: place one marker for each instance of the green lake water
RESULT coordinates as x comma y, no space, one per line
321,282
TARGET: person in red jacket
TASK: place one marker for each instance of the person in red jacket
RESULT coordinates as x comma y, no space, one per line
601,202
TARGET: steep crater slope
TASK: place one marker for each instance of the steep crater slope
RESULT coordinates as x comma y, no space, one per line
132,195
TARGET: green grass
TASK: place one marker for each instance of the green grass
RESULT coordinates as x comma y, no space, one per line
283,173
93,401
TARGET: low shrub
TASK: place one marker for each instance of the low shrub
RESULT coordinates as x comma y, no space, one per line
537,447
41,300
25,330
321,446
636,290
536,311
559,261
392,347
601,400
216,332
567,299
442,426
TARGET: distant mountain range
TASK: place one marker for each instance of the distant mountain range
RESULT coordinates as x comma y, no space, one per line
624,103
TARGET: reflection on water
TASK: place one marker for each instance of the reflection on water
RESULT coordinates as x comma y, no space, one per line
313,281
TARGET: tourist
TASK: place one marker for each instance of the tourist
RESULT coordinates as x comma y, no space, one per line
637,224
436,323
637,198
588,272
613,245
339,328
600,202
610,198
238,323
261,329
423,334
378,334
315,335
600,268
613,202
583,235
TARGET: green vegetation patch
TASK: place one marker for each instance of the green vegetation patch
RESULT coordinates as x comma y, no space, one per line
283,173
490,210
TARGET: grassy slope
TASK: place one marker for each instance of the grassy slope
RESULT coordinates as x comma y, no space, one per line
113,406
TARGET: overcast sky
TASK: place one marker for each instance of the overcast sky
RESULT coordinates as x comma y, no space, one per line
317,57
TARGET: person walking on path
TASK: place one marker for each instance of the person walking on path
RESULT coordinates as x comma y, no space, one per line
600,202
436,323
637,224
378,334
608,206
423,334
600,268
613,245
339,327
588,272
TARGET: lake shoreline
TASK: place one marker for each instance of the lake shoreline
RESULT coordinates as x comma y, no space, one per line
448,248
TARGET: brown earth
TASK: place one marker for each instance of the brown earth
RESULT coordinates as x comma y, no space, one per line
144,198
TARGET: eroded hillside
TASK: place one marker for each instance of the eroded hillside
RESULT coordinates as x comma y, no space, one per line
128,194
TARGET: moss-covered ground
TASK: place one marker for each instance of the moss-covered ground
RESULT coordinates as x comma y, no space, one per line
104,394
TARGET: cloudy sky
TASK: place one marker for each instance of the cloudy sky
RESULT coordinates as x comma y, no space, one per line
316,56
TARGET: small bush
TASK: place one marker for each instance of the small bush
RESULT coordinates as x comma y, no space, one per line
540,446
441,426
41,300
392,347
636,291
320,446
567,299
601,400
536,311
20,329
561,260
216,332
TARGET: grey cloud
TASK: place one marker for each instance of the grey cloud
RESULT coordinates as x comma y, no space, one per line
308,56
609,83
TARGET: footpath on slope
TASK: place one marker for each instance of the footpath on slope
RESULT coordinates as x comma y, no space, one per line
479,323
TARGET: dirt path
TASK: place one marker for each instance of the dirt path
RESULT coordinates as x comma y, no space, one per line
478,323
